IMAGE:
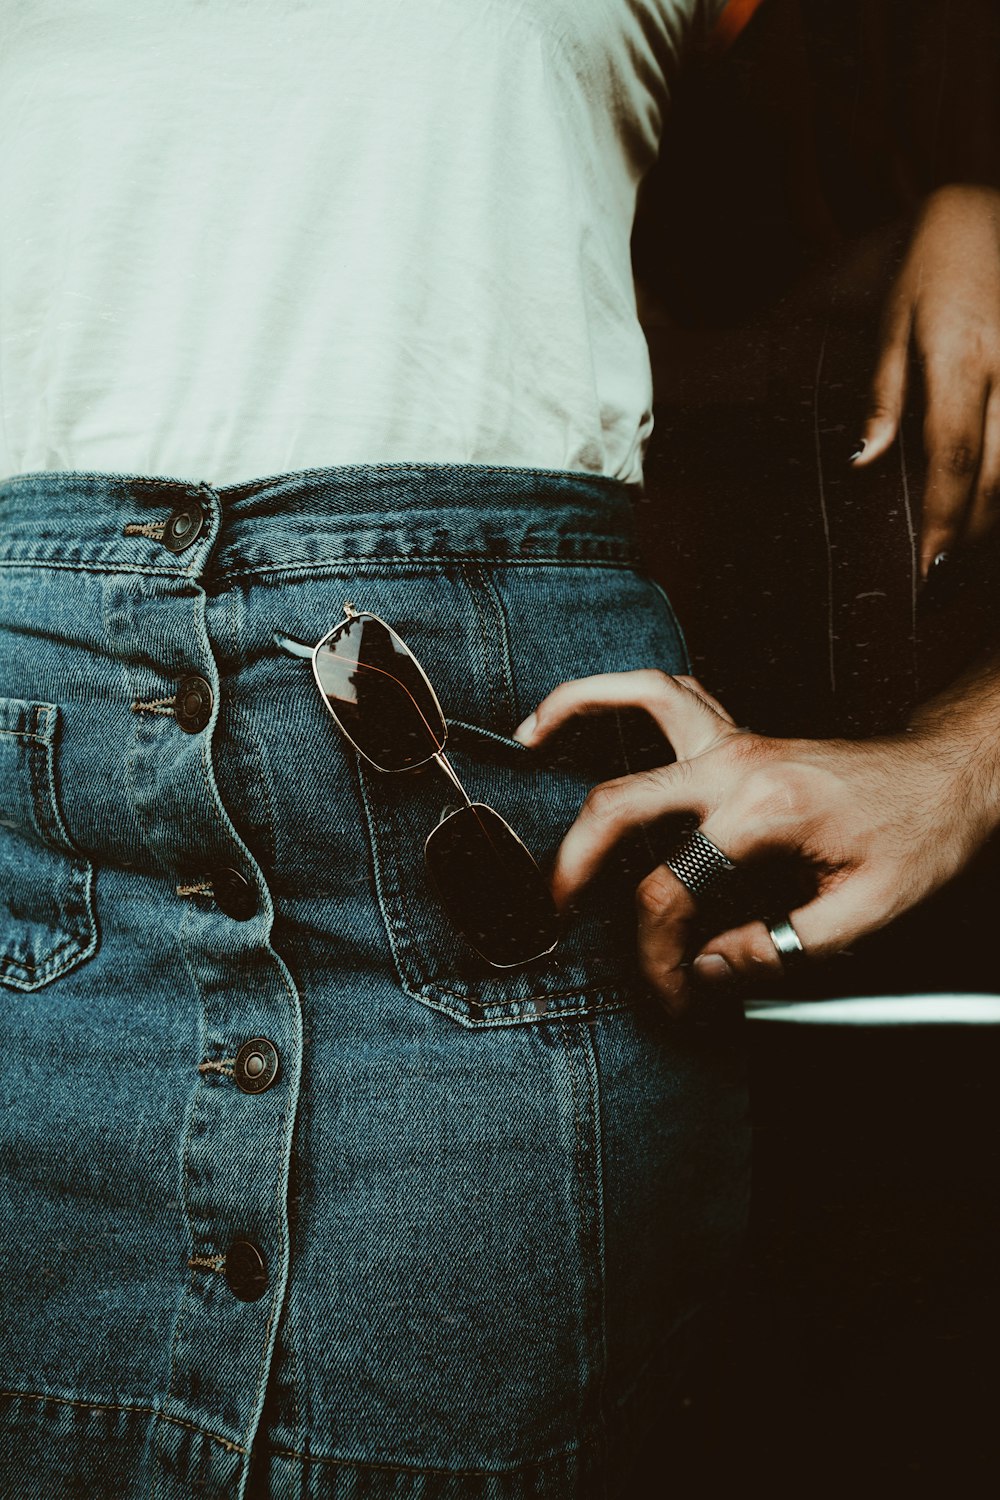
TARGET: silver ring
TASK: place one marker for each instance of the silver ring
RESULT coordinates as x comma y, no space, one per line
700,865
786,940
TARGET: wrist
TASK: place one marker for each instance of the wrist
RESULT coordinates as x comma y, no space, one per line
958,757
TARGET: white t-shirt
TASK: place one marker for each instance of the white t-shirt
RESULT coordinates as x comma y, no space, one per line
240,237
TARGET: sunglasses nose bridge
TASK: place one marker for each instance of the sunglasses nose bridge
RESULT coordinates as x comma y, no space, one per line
446,768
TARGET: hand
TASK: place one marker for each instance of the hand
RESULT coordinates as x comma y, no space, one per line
881,822
947,300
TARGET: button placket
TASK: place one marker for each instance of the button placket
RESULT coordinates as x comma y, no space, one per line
234,1138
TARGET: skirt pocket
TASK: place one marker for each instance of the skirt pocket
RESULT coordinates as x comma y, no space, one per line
525,629
47,922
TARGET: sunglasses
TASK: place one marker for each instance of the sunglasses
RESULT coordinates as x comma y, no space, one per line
382,701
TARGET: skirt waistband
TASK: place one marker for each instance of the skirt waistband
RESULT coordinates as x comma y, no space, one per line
405,513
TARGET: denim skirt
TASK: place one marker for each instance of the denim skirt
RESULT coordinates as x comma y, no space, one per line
299,1197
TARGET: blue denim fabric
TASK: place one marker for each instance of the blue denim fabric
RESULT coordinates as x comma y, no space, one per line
484,1198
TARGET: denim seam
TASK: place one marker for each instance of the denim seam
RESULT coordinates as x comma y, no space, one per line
590,1063
295,1374
376,559
186,1292
689,667
232,835
281,1193
596,987
265,1364
493,1022
577,1131
491,593
185,1197
41,769
468,576
571,1450
391,898
100,569
375,852
72,940
262,783
237,710
218,809
584,1201
77,920
205,776
134,748
149,1411
32,981
345,562
120,478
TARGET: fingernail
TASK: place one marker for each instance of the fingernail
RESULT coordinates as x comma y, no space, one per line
525,730
859,448
937,570
712,968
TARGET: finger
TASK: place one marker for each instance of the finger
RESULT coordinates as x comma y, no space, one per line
953,436
744,806
666,912
690,722
842,912
986,498
612,809
695,687
888,388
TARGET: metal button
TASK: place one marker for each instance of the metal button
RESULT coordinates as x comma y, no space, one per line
256,1066
185,525
246,1271
193,704
234,894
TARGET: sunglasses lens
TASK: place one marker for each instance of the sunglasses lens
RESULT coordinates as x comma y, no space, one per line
379,695
491,887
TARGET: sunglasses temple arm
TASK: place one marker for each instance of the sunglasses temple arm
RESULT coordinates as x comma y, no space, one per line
292,646
446,768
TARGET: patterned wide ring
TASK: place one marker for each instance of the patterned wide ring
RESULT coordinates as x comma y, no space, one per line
787,941
700,865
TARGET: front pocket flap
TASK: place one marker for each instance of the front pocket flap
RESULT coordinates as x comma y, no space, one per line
47,921
595,963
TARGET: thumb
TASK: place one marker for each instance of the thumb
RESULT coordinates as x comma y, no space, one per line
888,392
830,922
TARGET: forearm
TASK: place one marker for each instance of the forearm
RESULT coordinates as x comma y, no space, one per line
960,729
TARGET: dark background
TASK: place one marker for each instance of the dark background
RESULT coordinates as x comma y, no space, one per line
859,1345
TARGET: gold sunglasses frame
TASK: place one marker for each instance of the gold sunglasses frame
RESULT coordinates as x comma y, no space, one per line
299,649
